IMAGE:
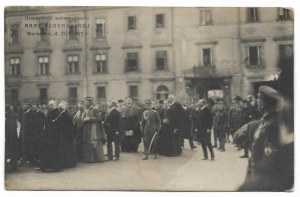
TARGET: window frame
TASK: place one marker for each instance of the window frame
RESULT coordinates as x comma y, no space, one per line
100,34
206,21
14,68
130,91
70,96
286,14
98,95
73,64
161,54
131,27
162,24
256,16
44,66
103,63
130,56
259,49
11,38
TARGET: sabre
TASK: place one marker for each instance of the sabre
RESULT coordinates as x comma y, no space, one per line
152,141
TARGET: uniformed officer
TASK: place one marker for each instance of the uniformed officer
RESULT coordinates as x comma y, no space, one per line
150,127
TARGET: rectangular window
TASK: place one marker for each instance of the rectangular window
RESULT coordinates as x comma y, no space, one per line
284,14
131,22
14,95
205,17
253,15
100,28
14,33
73,95
43,95
161,60
206,57
133,92
73,65
160,20
254,55
43,65
286,54
100,63
14,66
132,62
73,32
101,93
44,32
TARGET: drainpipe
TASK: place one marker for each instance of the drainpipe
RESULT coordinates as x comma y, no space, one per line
173,50
85,80
241,64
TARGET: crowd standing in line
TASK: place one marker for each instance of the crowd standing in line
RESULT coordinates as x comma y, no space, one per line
58,136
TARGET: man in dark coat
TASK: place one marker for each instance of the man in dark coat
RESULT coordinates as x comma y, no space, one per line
170,138
188,124
203,125
52,139
38,121
78,126
29,134
131,137
112,124
11,139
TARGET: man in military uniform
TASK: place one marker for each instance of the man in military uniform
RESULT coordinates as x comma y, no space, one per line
235,116
266,138
151,124
219,122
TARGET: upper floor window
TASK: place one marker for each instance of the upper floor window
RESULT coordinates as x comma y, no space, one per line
286,55
14,66
132,62
73,64
100,63
254,55
207,57
160,21
205,17
284,14
131,22
161,60
100,28
43,65
43,32
14,33
253,15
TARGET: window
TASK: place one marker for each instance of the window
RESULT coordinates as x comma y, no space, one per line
133,92
101,93
43,65
73,66
284,14
73,32
44,32
132,62
14,95
14,33
162,92
160,20
286,54
205,17
100,63
253,15
161,60
100,28
131,22
73,95
206,57
14,66
43,95
254,56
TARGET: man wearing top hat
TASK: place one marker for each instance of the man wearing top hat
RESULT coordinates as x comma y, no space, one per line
150,128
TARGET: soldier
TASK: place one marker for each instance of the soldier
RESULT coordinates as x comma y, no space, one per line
150,127
112,124
235,116
219,122
266,142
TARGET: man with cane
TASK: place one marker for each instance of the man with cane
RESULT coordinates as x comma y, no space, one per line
150,127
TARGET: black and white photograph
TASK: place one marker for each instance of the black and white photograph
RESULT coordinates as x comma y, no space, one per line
149,98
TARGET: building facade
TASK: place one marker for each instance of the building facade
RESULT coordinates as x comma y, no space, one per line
142,52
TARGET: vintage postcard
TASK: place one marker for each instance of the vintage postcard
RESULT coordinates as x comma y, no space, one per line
149,98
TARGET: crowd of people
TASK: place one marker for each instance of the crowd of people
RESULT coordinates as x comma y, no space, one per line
56,137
